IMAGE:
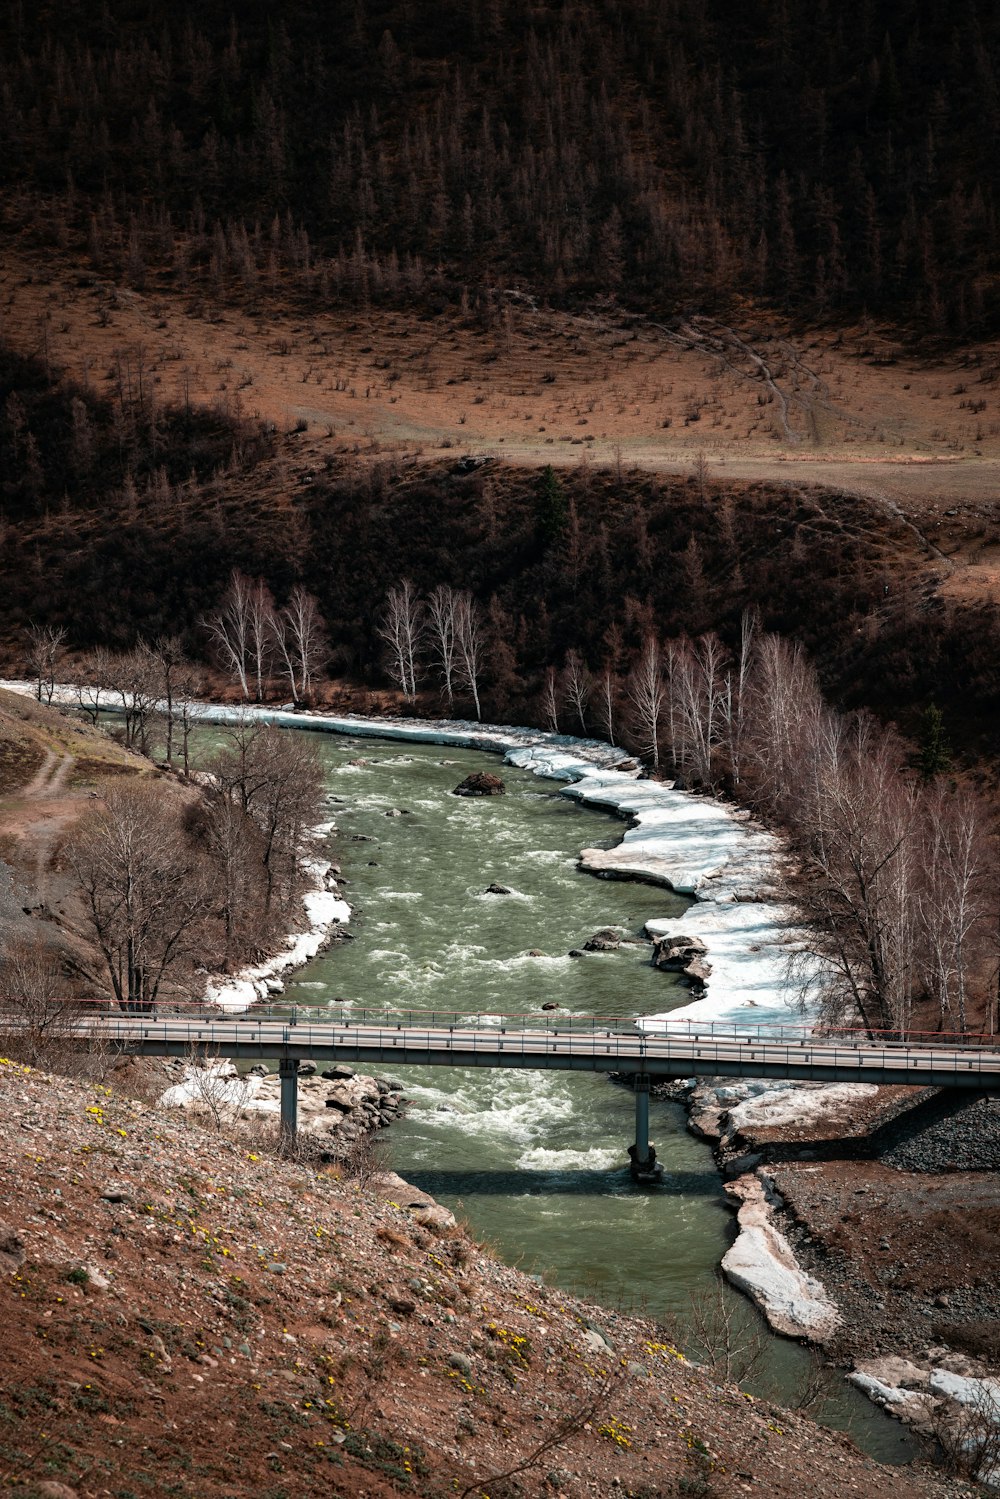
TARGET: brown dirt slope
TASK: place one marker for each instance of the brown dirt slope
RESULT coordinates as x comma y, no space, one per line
183,1317
848,408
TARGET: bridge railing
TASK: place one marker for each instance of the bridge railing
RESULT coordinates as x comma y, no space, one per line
81,1014
613,1045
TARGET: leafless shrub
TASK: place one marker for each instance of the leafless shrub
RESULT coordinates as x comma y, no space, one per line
39,1025
969,1436
728,1337
217,1095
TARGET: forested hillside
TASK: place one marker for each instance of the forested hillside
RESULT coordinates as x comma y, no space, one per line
669,153
126,519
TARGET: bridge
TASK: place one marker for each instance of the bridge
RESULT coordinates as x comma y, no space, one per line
648,1050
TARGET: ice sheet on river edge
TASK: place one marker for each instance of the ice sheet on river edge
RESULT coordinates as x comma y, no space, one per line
692,844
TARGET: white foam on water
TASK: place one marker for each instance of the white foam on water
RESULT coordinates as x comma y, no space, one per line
518,1110
594,1159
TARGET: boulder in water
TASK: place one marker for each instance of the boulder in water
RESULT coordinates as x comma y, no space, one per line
496,889
606,940
481,783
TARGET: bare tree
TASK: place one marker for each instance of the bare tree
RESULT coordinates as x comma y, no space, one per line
859,853
39,1025
647,696
441,611
727,1333
274,777
550,701
469,646
143,889
260,633
606,704
953,902
188,686
577,686
43,652
170,664
229,630
402,629
696,690
300,638
216,1089
736,697
135,681
92,680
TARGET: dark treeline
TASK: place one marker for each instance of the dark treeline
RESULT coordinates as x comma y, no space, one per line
670,152
122,520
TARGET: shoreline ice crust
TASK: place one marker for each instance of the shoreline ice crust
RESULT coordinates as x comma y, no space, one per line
713,853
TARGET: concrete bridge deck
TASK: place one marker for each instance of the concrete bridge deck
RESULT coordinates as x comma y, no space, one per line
579,1044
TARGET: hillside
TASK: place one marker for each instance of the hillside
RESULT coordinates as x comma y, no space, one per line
183,1315
677,156
50,764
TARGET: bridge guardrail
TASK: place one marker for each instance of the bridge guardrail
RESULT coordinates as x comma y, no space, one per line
456,1035
353,1015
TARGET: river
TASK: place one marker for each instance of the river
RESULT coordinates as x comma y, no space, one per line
534,1162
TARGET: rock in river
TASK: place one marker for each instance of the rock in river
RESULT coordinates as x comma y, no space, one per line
481,783
496,889
606,940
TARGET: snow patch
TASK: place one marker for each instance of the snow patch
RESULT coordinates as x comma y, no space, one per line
762,1264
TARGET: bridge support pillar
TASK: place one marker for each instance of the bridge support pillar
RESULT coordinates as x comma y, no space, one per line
642,1155
288,1071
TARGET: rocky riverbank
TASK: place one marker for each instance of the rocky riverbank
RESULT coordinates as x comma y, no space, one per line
868,1220
338,1107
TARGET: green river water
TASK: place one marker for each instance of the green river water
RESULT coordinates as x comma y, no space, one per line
535,1162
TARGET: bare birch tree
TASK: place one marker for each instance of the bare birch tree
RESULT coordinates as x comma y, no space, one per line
577,686
606,704
301,642
647,695
550,701
229,630
402,629
953,902
260,634
469,647
441,612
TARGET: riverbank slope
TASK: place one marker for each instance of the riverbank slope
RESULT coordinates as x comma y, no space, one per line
235,1313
